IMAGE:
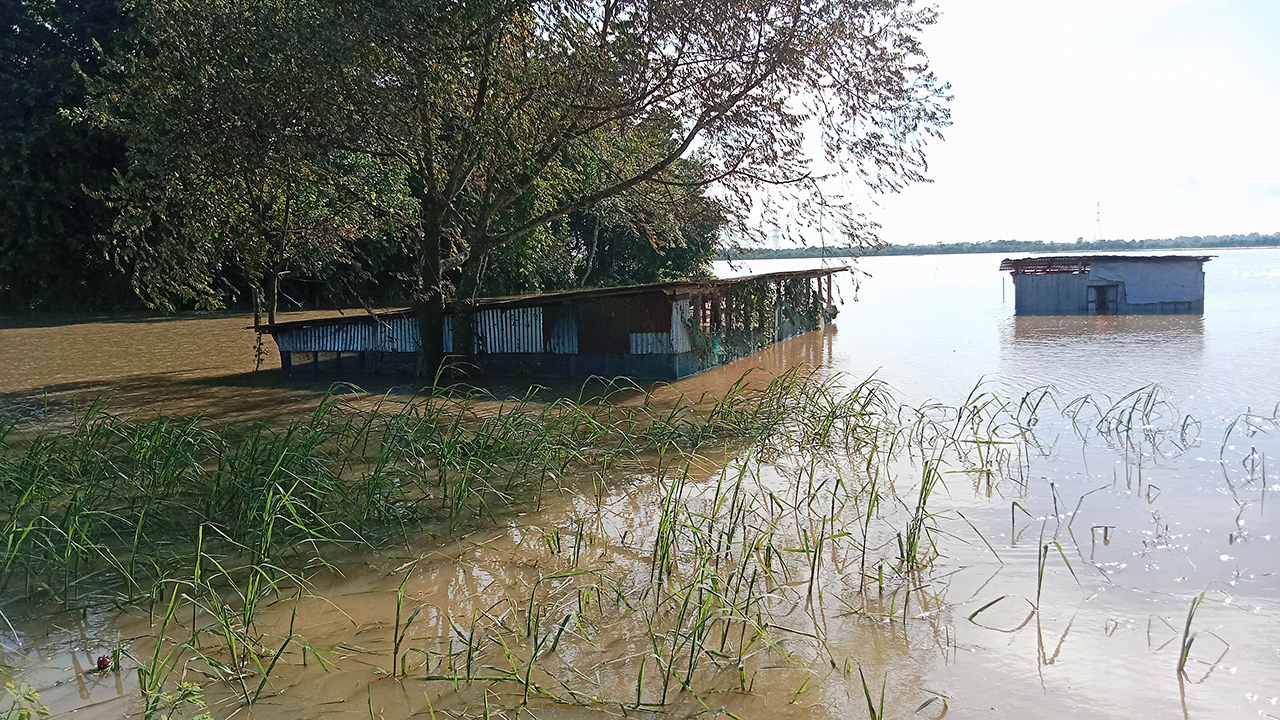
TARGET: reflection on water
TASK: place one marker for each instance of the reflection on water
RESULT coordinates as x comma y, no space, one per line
206,365
935,326
1129,328
1145,530
1081,355
815,349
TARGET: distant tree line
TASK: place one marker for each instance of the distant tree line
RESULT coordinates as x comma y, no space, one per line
1009,246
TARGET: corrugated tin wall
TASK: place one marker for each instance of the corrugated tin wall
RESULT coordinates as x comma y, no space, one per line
1050,294
497,331
564,336
509,331
730,321
650,343
681,319
399,334
674,341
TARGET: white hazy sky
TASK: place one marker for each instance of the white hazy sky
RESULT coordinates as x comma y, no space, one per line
1167,112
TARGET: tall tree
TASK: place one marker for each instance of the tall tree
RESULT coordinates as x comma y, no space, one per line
234,161
50,167
503,117
479,101
656,233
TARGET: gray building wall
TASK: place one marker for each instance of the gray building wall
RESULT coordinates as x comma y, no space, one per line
1049,294
1140,288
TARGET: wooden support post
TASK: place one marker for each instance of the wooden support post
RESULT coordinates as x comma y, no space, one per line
822,314
777,310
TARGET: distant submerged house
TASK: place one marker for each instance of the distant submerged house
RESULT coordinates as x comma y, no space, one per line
1108,284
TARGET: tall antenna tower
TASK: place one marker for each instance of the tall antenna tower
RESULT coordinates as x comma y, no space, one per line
1097,225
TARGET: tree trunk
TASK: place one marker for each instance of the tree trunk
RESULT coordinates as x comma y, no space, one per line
428,302
464,315
464,307
257,304
273,295
594,236
429,310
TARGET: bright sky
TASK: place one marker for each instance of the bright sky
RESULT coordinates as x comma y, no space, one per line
1167,112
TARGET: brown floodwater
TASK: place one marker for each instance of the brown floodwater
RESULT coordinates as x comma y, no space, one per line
1136,527
198,364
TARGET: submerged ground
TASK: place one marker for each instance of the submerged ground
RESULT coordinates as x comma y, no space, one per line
810,546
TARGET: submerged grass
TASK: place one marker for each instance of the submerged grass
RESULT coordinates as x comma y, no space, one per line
221,521
103,508
1188,637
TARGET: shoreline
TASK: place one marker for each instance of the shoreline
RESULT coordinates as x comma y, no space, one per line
1214,242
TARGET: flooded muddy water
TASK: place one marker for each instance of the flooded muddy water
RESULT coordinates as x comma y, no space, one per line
1102,540
933,326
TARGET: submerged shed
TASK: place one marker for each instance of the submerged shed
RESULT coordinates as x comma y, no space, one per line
1108,284
661,331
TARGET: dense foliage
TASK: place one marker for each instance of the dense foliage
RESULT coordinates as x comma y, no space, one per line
215,152
221,172
51,168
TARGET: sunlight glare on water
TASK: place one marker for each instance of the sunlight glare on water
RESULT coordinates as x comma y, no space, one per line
1146,531
933,326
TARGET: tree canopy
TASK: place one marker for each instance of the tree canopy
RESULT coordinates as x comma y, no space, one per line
50,168
230,153
495,109
433,152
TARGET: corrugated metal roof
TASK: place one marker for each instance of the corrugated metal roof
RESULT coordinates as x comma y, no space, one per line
1080,263
671,288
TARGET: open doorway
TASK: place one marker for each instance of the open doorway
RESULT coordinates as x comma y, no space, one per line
1102,299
